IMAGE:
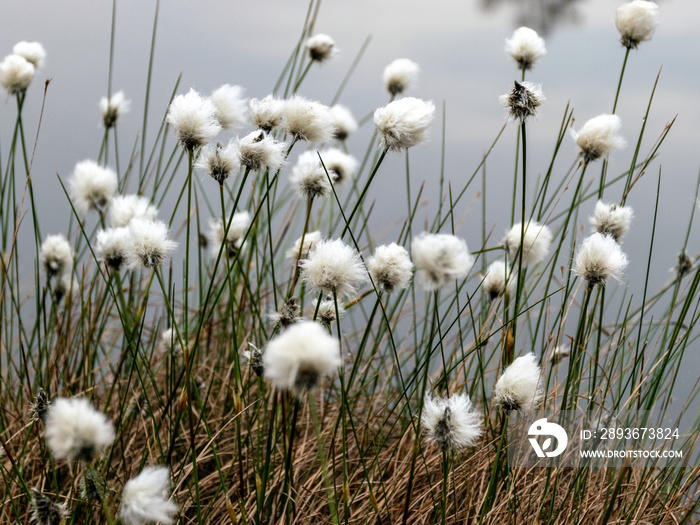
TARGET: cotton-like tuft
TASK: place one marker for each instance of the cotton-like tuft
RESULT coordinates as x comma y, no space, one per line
321,47
308,120
598,137
75,430
92,187
32,52
326,314
519,387
523,100
56,256
441,258
149,244
309,178
219,162
16,74
45,511
537,240
299,357
236,232
390,267
345,123
145,498
400,75
310,240
560,352
526,47
267,113
113,247
193,119
258,151
636,21
231,107
333,267
112,108
126,207
288,314
404,123
451,423
611,219
497,280
598,259
340,165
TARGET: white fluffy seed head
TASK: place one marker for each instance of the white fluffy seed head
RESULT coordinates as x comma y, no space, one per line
126,207
236,232
308,120
75,430
636,21
526,47
536,242
345,123
56,256
92,187
299,357
498,279
112,108
560,352
611,219
145,498
390,267
451,423
32,52
321,47
598,259
231,107
523,100
16,74
598,137
404,123
149,245
258,151
519,387
441,258
326,312
310,240
400,75
193,119
113,247
340,165
219,162
267,113
309,178
333,266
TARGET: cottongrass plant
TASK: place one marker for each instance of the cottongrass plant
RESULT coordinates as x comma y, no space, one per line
289,368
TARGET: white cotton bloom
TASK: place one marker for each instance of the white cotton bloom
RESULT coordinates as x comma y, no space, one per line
340,165
236,233
149,244
113,246
526,47
598,259
636,21
310,240
333,266
321,47
124,208
193,119
390,267
519,387
308,120
598,137
32,52
92,187
75,430
299,357
612,220
16,74
404,123
560,352
112,108
400,75
219,162
537,240
451,423
441,258
45,511
685,264
288,314
65,286
56,256
309,178
326,314
145,498
258,150
255,359
170,342
267,113
523,100
498,279
345,123
231,107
